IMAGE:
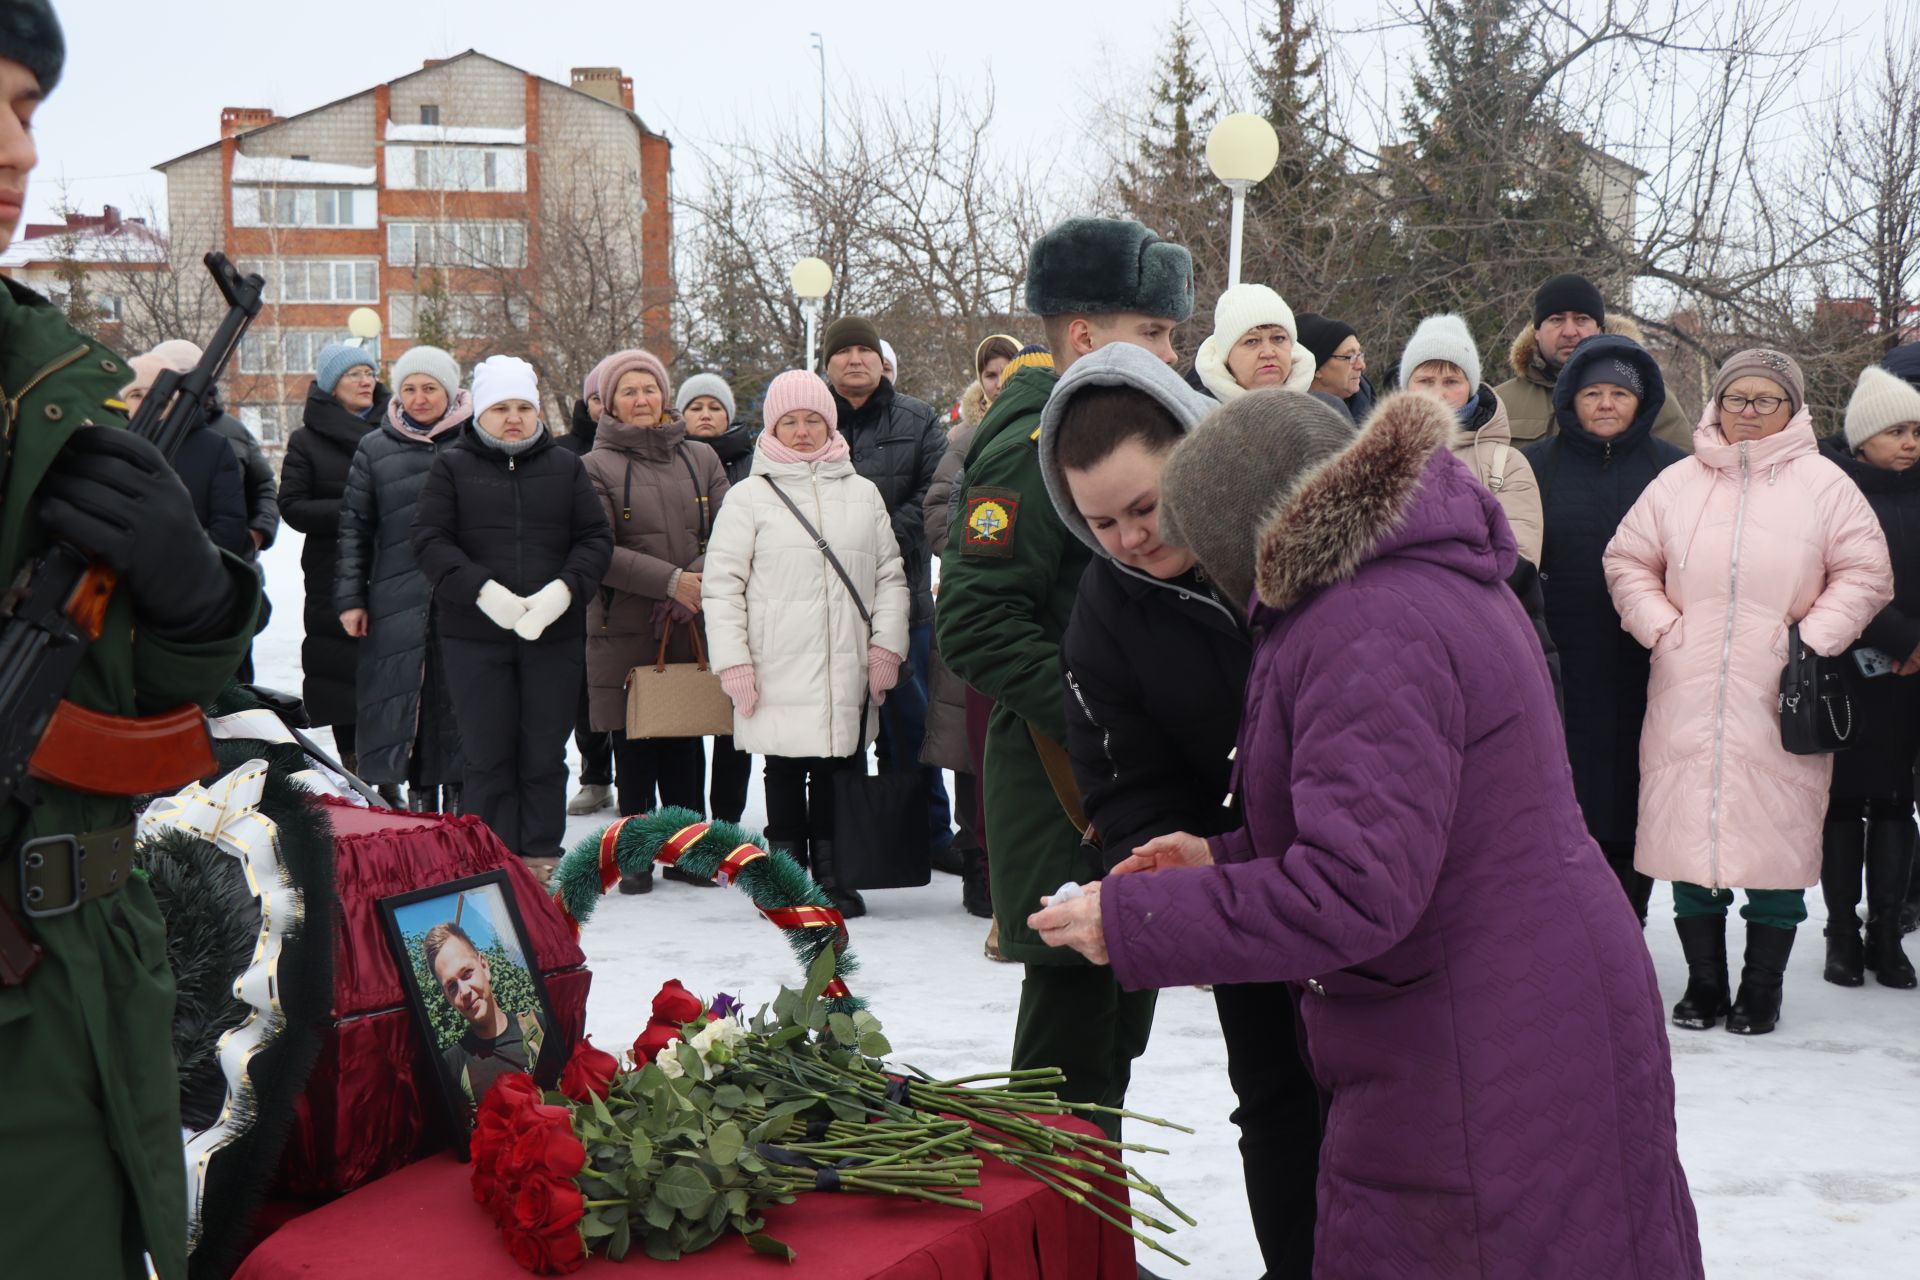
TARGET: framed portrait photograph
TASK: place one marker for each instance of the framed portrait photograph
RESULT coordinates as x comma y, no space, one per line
476,993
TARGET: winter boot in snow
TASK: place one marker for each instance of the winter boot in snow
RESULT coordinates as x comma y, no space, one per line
687,877
1889,865
1910,913
1840,861
642,883
795,849
591,798
947,856
1704,940
450,798
1756,1010
974,893
826,873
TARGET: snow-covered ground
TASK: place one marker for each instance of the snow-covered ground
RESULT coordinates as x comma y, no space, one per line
1803,1147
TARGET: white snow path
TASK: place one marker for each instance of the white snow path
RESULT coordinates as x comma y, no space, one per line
1802,1147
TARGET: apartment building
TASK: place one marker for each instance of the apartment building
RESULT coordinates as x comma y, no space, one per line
98,254
425,199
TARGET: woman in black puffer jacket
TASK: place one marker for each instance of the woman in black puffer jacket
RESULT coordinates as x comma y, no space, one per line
1870,802
513,539
342,406
405,724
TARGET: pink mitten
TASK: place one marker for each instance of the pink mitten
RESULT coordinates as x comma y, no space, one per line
741,687
883,672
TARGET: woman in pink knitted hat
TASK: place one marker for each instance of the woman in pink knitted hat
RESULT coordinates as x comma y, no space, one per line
801,650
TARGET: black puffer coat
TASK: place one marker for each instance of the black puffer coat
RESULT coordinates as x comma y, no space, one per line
1587,486
313,479
1155,676
735,449
520,520
897,443
206,465
1880,763
256,477
580,436
406,727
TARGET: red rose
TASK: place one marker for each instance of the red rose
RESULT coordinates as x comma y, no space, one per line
677,1005
543,1230
589,1072
512,1091
654,1040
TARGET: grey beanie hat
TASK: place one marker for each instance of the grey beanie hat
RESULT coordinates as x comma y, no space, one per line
704,384
1222,484
433,362
1118,364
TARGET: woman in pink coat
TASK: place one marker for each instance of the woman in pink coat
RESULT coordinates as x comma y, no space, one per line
1719,556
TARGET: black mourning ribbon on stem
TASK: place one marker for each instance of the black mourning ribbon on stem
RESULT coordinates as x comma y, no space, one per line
826,1177
898,1089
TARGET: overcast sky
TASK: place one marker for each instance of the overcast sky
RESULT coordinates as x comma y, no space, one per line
146,82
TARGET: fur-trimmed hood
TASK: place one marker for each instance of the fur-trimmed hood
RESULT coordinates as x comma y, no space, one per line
1395,491
1521,355
974,404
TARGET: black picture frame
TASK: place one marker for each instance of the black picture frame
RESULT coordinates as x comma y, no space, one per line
490,897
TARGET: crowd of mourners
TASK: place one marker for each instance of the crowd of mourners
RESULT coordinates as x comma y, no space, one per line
1390,709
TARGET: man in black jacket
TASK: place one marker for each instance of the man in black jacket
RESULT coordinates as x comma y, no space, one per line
897,443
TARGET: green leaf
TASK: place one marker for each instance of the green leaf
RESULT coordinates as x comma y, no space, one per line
730,1096
875,1045
786,1035
684,1188
639,1150
761,1242
842,1027
600,1111
737,1201
817,1016
690,1062
660,1248
622,1240
659,1214
819,974
787,1008
726,1143
594,1228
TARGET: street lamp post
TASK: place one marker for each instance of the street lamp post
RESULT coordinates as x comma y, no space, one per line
811,280
1241,151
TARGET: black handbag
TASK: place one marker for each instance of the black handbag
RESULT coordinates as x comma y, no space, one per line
1816,701
879,820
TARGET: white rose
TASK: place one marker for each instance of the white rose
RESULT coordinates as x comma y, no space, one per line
669,1062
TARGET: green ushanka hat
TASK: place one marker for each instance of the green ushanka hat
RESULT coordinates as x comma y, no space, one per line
1097,266
30,35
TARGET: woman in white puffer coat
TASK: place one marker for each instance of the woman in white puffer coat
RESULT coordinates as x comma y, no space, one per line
786,633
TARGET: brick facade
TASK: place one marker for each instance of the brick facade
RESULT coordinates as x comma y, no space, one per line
467,103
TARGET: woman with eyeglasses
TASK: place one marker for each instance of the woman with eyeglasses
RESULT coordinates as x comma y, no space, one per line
1753,534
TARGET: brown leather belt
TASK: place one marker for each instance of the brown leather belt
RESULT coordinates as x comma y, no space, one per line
53,875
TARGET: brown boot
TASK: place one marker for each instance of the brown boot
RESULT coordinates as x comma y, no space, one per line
993,943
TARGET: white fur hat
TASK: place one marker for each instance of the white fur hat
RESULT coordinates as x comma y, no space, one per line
1880,400
1442,338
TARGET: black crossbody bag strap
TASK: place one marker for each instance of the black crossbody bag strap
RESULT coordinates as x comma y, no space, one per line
700,496
866,695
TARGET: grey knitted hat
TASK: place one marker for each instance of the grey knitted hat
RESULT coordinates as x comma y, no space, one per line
1223,483
705,384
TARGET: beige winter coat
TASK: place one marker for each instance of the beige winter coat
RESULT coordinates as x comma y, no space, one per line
772,600
1528,394
1495,461
659,490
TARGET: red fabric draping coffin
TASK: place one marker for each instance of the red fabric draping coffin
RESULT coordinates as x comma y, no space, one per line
370,1105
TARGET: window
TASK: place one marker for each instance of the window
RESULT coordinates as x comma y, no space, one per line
429,113
468,315
319,279
271,424
303,207
111,306
457,244
291,350
448,168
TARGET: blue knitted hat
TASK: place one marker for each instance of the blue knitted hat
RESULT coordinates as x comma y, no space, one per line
334,362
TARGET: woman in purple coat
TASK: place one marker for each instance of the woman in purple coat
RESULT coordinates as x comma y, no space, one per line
1478,1005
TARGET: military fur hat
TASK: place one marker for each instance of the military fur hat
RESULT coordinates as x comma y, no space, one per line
1099,266
30,35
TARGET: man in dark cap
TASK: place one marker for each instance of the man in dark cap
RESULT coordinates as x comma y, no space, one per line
1566,309
93,1179
1008,581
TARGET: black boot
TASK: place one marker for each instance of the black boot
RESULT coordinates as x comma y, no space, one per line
1756,1010
450,798
687,877
826,873
1889,865
1704,941
948,857
1840,860
795,849
423,799
1910,912
390,796
974,893
642,883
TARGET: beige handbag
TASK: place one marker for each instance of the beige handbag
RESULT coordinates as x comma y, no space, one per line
678,699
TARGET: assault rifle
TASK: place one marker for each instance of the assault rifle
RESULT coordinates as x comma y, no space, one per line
57,605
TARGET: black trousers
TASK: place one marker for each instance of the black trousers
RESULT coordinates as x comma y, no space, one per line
732,771
800,795
1278,1118
511,703
1076,1017
596,749
674,769
1638,888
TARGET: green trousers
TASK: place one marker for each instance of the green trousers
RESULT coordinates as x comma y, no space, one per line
92,1175
1781,908
1076,1018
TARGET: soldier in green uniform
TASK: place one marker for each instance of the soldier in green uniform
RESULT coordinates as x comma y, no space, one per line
1007,584
92,1174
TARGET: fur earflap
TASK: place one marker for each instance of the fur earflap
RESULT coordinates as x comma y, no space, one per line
1338,511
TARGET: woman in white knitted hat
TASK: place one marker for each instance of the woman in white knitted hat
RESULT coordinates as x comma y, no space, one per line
1254,345
1870,803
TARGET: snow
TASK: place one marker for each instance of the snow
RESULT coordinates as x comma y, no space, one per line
1802,1147
284,171
455,133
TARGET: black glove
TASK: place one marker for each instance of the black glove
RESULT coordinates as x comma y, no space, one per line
112,495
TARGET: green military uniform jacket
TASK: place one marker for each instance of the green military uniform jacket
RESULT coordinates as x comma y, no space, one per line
1008,579
94,1170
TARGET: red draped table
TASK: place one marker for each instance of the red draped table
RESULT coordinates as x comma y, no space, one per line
422,1224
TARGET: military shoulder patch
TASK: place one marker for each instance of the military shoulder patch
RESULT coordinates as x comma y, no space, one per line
990,518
